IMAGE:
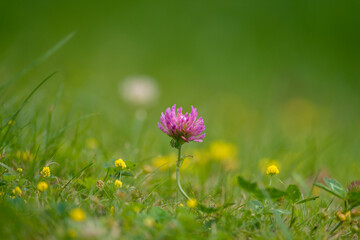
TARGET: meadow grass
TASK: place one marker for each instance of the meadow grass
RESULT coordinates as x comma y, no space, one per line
266,169
57,182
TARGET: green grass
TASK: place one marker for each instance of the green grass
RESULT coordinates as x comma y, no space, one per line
148,205
276,83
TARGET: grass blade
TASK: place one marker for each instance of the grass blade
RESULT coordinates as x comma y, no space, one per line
14,116
42,58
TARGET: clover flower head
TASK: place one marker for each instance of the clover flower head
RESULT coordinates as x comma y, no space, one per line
42,186
182,127
120,164
19,170
272,170
78,215
118,183
99,184
45,172
191,203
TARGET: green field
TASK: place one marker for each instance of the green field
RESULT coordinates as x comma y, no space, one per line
83,84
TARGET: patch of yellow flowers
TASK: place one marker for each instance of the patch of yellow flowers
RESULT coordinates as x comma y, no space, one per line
191,203
118,183
17,191
221,150
42,186
45,172
120,164
78,215
272,170
25,156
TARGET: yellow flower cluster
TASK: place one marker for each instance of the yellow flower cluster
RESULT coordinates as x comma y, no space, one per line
42,186
45,172
343,217
25,156
19,170
221,150
192,203
164,162
17,191
118,183
78,215
272,170
120,164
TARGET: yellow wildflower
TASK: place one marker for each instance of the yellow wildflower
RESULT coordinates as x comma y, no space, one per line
112,210
45,172
136,209
343,217
17,191
272,170
120,164
118,183
181,205
77,214
92,143
191,203
71,233
149,222
42,186
163,162
19,170
221,150
2,193
25,156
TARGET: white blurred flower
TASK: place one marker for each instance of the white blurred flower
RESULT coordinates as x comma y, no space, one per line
139,90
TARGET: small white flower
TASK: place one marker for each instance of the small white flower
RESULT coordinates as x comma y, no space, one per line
139,90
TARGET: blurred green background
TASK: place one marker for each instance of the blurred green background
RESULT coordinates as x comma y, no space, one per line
280,79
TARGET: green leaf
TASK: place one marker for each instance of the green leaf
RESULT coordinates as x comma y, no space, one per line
127,174
307,200
354,199
207,209
336,187
280,211
158,214
293,193
246,185
256,206
9,177
275,193
323,187
130,165
7,167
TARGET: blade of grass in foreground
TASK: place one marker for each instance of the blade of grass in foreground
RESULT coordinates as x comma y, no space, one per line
14,116
39,60
76,176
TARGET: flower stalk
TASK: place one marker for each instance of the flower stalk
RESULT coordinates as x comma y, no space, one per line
178,166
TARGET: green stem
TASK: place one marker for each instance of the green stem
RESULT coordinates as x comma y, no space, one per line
292,215
270,181
178,166
336,227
